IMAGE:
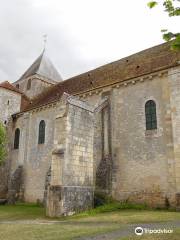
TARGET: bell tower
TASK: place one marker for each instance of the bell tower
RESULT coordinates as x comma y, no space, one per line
39,76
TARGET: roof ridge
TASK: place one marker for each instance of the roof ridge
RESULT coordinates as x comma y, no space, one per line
148,61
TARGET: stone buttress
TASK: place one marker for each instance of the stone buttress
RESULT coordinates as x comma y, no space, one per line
72,183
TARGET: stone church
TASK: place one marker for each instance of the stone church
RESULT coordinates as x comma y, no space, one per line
113,130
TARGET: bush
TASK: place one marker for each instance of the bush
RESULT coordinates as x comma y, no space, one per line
113,207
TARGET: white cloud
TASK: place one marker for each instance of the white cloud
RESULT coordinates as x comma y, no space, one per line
82,34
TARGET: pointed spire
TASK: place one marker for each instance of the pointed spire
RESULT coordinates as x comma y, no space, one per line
43,67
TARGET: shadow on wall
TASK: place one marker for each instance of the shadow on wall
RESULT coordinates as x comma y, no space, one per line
15,186
103,175
3,181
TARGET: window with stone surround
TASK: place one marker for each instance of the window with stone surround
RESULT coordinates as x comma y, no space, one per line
16,138
42,126
150,111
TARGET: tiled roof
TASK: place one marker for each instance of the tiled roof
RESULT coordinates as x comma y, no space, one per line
145,62
9,86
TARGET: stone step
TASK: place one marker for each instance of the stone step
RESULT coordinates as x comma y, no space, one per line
3,201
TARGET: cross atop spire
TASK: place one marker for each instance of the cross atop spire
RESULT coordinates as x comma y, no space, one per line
45,41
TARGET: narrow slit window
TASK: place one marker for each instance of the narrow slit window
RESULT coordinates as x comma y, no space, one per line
16,138
42,126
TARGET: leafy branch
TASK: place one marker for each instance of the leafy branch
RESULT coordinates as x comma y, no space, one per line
172,10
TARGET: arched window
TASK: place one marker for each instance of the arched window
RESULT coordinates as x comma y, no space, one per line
29,84
16,138
42,126
150,111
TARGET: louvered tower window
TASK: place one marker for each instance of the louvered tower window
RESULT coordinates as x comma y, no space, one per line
42,126
150,111
29,84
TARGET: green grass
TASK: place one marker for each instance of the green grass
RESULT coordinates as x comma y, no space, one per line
120,212
21,211
103,219
125,213
113,206
130,216
62,231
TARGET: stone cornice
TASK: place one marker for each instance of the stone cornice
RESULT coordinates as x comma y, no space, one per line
125,83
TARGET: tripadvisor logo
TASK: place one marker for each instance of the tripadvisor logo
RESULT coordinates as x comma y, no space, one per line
139,231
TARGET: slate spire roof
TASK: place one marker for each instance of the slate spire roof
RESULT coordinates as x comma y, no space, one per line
43,67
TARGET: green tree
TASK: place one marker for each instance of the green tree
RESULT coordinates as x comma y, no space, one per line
172,8
2,143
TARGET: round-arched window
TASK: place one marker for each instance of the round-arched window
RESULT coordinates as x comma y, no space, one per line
150,111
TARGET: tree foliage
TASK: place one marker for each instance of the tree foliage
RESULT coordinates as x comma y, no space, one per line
2,143
172,7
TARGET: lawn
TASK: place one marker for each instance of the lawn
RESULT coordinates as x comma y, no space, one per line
28,222
21,211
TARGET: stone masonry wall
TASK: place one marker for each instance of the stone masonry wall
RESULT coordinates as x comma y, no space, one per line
72,180
37,86
10,103
78,166
143,161
3,181
34,157
174,114
143,169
